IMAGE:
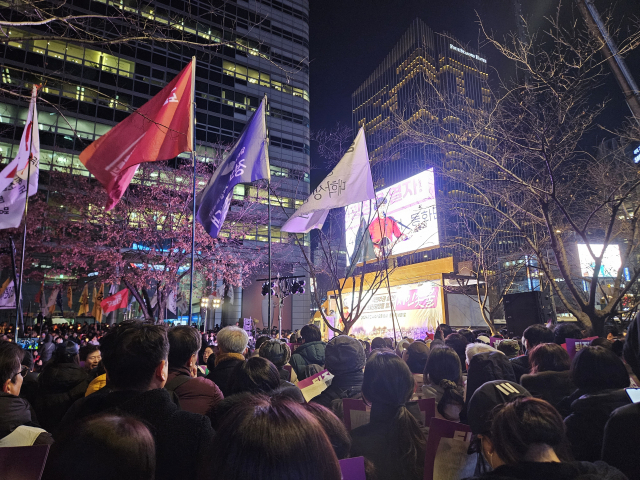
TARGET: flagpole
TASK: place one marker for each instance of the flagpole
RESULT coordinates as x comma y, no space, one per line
269,313
24,233
193,154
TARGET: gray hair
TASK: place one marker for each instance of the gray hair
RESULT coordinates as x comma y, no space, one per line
475,348
232,340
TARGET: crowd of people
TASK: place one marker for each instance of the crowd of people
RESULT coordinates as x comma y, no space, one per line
144,401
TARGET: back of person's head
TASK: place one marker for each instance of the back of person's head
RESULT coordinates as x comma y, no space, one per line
232,340
276,352
488,366
631,347
444,329
486,398
344,354
511,348
417,356
443,364
87,350
378,342
537,334
595,368
388,342
27,359
601,342
611,331
275,438
261,339
67,352
564,331
388,384
184,342
549,357
310,333
475,348
452,401
459,344
254,375
468,334
131,353
103,448
525,424
47,338
333,427
10,357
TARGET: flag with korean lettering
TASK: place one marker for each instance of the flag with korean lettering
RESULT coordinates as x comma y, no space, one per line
13,178
8,295
159,130
247,162
349,182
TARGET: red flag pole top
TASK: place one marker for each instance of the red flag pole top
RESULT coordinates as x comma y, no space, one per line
159,130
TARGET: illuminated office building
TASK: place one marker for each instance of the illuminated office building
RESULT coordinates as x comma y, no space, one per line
266,52
422,66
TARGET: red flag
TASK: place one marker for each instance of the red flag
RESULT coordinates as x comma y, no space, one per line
114,302
159,130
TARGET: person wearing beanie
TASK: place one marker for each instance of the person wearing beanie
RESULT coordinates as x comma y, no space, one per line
61,383
345,359
279,354
621,443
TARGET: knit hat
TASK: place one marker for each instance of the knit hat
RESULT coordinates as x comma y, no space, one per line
488,397
631,351
484,339
344,354
276,352
488,366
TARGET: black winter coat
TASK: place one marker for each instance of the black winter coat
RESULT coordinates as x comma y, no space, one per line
221,374
621,443
16,412
307,354
46,351
550,386
589,415
59,385
346,385
554,471
182,439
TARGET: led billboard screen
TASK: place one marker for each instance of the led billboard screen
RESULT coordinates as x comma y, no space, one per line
402,219
611,261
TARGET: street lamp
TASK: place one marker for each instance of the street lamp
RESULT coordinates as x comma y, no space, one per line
204,304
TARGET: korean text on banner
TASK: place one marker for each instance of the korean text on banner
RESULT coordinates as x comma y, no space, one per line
119,300
349,182
314,385
159,130
247,162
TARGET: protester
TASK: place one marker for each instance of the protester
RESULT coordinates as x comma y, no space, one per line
61,383
345,359
333,427
18,426
443,331
196,394
312,350
279,354
511,348
90,357
527,441
532,336
29,390
392,440
459,344
486,367
377,343
443,381
47,348
564,331
550,377
416,356
475,348
621,442
272,438
135,355
600,378
104,448
232,343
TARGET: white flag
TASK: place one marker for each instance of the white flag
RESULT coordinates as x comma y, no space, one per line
171,302
52,297
13,178
349,182
8,297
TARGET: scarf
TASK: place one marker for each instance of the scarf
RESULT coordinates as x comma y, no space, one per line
228,356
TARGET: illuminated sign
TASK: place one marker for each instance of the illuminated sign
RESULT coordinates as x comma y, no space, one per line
611,261
636,155
402,219
468,54
417,307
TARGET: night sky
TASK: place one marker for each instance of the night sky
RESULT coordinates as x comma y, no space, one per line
349,39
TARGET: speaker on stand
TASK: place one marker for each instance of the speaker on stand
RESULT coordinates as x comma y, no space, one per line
522,310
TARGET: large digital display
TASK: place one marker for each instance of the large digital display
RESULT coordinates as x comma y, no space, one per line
611,261
402,219
417,307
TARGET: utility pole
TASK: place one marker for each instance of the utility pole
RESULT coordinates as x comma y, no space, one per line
612,55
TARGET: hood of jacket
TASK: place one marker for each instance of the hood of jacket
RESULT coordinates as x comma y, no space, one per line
14,411
313,352
487,367
604,402
62,377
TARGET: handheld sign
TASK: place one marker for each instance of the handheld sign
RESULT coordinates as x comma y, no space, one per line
23,463
446,454
495,341
574,345
316,384
352,468
355,413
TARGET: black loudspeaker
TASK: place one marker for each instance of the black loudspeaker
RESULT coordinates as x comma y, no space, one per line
528,308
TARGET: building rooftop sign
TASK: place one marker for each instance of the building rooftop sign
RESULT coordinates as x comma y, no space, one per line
468,54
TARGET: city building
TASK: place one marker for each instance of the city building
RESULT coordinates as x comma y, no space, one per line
244,50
